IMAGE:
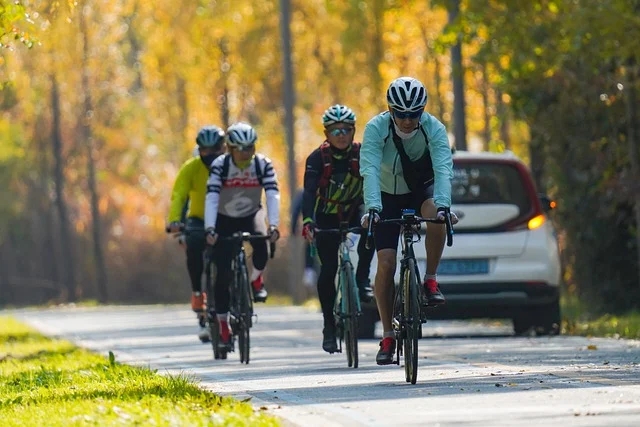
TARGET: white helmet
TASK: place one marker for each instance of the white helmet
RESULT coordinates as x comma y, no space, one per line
241,135
338,114
406,94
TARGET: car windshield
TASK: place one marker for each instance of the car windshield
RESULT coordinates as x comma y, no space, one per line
488,183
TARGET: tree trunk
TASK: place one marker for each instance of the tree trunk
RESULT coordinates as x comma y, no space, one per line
631,105
503,115
459,117
66,239
225,67
376,55
101,272
486,131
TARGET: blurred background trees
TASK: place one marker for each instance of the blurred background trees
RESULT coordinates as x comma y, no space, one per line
99,114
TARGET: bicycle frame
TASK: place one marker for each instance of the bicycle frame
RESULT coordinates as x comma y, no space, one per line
347,306
408,317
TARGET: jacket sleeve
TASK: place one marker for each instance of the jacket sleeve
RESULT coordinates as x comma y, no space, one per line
370,159
212,199
270,184
442,161
312,174
180,193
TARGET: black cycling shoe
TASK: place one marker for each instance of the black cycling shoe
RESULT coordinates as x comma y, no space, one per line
329,341
365,291
385,354
261,295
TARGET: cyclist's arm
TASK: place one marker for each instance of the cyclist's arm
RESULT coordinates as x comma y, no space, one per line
312,174
180,193
442,163
370,159
270,185
212,199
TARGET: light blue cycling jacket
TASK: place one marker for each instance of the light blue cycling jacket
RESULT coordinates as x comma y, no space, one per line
381,167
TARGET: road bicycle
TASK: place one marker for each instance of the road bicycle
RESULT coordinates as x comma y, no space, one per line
241,298
408,315
347,304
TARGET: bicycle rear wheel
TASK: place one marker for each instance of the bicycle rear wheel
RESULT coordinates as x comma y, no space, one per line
411,311
245,313
350,316
212,320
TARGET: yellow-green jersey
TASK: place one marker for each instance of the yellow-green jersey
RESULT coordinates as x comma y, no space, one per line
191,184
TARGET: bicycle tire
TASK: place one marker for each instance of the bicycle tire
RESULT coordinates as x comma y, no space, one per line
244,312
212,320
412,322
350,315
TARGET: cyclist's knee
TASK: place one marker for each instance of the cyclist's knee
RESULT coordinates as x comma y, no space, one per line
386,262
428,209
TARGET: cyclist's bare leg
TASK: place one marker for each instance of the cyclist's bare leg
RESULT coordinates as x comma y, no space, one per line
384,286
436,233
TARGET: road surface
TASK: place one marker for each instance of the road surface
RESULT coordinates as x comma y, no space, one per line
471,374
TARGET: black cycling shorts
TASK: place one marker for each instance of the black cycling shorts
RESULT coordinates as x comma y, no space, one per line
386,235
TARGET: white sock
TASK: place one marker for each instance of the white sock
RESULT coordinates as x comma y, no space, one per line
222,317
389,334
430,276
255,274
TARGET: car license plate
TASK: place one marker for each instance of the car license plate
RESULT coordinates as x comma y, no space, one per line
456,267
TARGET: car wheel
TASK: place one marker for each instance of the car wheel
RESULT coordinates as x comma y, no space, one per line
367,321
549,319
545,320
522,325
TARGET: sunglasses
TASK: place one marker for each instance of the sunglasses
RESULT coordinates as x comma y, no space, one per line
407,115
340,131
244,149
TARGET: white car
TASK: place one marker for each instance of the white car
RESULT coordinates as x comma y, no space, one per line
504,262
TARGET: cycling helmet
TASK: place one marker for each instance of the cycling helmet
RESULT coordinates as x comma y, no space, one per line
406,94
241,135
338,114
210,136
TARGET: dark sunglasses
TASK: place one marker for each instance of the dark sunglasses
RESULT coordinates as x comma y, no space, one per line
340,131
407,115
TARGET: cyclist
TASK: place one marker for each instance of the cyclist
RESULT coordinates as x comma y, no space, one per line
234,193
406,163
191,184
333,193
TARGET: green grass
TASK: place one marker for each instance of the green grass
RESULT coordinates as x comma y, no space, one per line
53,383
578,321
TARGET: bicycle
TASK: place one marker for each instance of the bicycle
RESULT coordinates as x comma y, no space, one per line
241,299
203,318
347,304
408,316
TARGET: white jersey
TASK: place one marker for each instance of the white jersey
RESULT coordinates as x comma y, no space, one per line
239,193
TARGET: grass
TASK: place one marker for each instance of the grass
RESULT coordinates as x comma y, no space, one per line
53,383
578,321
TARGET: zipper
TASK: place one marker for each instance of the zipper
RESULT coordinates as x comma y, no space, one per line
395,177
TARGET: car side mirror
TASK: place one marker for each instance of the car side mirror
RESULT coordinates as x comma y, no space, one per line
547,204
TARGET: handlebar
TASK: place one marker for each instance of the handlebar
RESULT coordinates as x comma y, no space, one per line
167,229
411,219
247,237
244,236
337,230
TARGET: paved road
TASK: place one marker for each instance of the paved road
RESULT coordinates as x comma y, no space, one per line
477,375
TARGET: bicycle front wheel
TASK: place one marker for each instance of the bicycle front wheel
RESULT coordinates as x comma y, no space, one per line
350,313
244,313
411,312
